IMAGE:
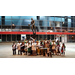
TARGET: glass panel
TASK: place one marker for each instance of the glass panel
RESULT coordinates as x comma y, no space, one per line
26,22
40,37
16,28
13,37
64,24
26,28
69,24
16,17
74,25
7,17
74,30
63,19
42,18
48,37
52,37
51,18
18,37
44,37
0,36
69,20
57,24
6,28
64,29
8,22
0,16
51,24
50,29
3,38
28,37
16,22
57,19
43,29
0,28
0,21
58,29
29,17
71,38
8,37
70,29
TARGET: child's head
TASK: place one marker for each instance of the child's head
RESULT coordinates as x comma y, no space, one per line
63,44
13,42
22,42
19,41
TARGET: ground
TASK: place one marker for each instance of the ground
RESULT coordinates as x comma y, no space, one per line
6,52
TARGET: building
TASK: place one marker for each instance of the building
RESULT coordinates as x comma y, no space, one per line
13,28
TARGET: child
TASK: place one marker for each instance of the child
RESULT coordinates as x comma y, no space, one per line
29,48
22,48
63,48
18,47
14,48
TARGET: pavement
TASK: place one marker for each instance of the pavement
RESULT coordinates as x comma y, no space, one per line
6,52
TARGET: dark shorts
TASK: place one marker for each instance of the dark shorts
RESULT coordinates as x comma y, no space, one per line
22,50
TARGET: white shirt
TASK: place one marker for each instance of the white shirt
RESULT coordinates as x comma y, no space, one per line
33,46
18,46
14,46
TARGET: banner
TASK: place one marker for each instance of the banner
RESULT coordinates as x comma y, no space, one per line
23,37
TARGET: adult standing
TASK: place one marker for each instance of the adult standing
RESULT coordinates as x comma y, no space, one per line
63,48
54,48
14,48
26,47
19,48
58,49
29,48
37,48
34,48
22,48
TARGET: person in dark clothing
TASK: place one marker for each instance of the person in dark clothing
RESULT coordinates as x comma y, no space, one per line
14,48
22,48
50,49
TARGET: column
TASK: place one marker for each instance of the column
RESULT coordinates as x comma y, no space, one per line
38,17
3,20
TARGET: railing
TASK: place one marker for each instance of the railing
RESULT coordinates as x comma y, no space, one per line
42,26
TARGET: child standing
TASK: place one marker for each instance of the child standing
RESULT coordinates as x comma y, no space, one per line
14,48
63,49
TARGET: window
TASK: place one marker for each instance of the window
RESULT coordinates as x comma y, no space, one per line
7,17
3,38
8,37
63,19
42,18
51,18
26,22
13,37
28,17
16,17
7,22
0,20
16,22
57,19
52,37
69,20
18,37
0,36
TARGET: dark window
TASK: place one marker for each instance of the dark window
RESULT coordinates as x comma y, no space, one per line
8,37
52,37
13,37
0,36
28,37
18,37
48,37
4,38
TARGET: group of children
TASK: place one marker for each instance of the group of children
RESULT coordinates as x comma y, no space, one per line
35,47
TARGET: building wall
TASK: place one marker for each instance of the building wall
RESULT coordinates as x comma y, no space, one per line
42,23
